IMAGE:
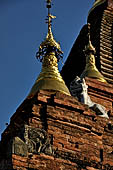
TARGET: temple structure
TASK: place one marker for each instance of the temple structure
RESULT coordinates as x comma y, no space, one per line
100,18
67,124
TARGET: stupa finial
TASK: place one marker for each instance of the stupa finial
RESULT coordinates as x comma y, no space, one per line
89,46
49,44
49,17
49,54
90,68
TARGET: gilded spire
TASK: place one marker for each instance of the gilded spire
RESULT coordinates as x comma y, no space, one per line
49,53
90,68
49,43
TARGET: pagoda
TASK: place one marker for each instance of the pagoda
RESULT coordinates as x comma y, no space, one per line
66,122
100,18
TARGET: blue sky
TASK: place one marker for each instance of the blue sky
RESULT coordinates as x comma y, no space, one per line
22,29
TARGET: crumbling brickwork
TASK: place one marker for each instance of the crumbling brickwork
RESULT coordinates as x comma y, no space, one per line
54,131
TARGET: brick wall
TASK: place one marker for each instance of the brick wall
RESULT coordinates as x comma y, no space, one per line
54,131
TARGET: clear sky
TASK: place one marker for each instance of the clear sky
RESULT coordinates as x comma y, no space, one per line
22,29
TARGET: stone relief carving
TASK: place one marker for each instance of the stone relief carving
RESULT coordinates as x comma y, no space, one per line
19,147
35,140
79,89
38,141
30,140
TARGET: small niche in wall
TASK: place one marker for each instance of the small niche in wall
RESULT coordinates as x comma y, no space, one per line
101,155
77,145
110,126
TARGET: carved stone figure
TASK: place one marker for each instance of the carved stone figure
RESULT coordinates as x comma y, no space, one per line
32,140
79,89
39,141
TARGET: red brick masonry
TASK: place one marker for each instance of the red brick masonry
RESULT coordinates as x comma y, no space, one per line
52,131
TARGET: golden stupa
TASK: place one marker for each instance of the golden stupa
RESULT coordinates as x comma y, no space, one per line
90,68
49,53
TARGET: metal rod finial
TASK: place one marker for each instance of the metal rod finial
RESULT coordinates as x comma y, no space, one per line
48,4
